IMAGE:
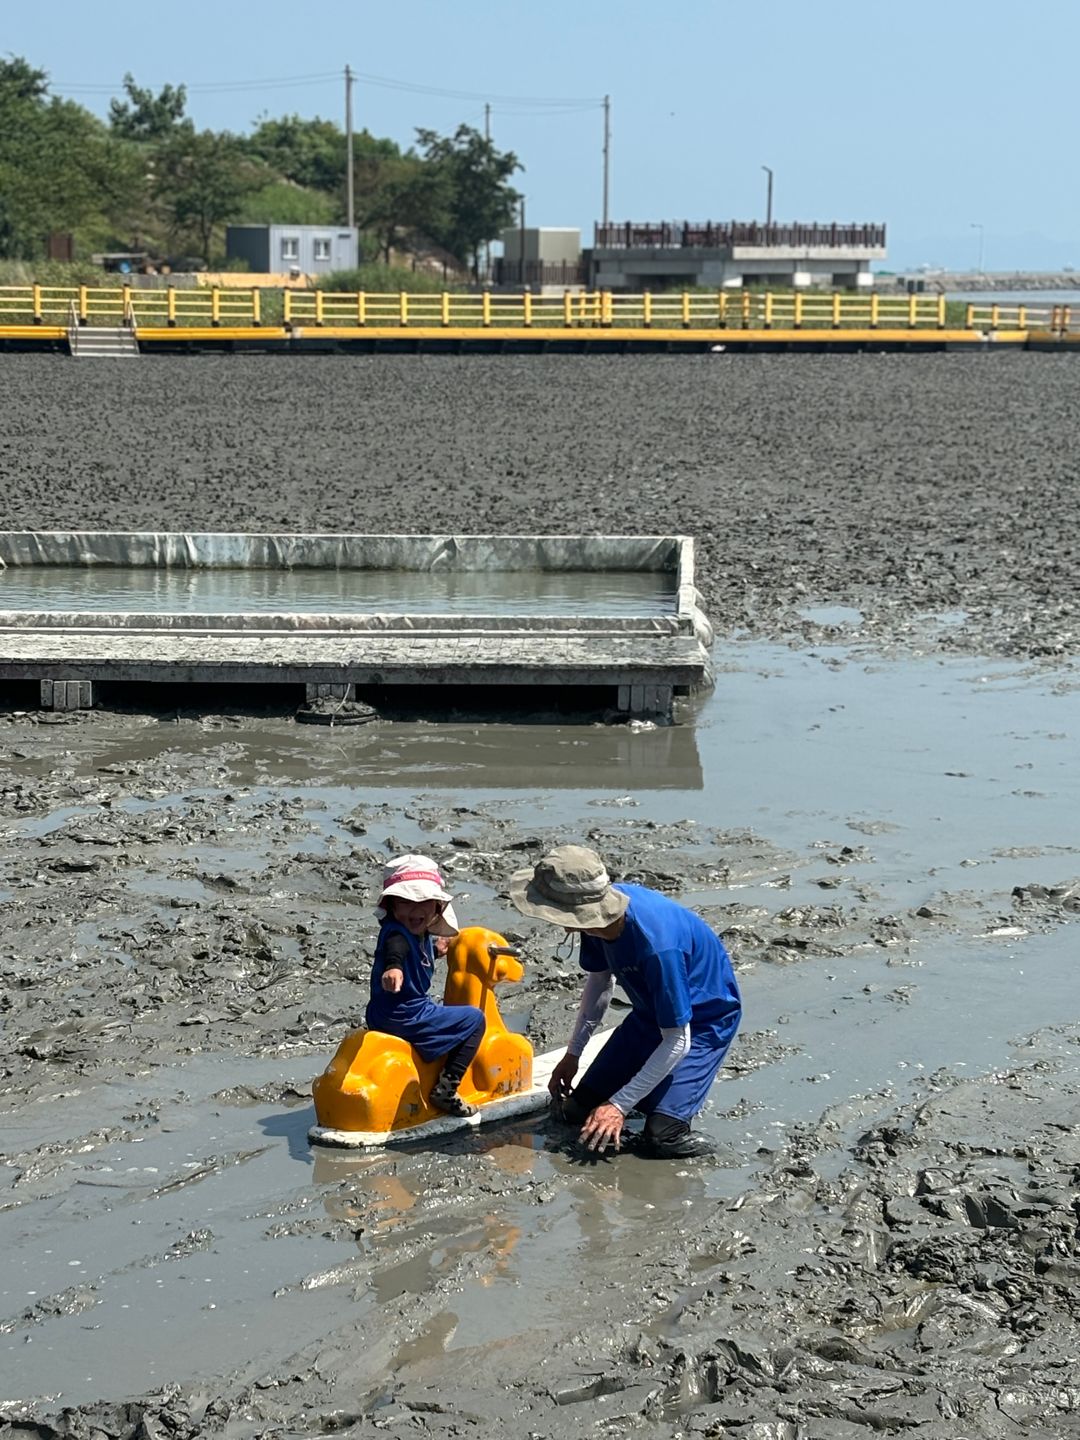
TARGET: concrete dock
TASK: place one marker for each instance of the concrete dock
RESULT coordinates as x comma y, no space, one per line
635,662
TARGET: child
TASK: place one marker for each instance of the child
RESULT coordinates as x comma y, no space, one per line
414,906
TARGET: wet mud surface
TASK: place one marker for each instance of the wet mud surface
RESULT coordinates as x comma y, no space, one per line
876,807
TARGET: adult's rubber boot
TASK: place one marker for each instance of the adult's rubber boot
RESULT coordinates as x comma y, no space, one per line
669,1139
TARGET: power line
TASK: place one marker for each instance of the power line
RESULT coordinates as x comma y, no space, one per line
536,104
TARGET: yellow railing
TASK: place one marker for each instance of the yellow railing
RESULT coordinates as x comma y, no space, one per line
117,304
594,309
687,310
1058,319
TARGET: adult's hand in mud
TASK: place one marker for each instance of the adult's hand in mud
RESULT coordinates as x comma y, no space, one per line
603,1128
562,1077
393,980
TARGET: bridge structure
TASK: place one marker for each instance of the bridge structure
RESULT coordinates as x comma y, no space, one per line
172,318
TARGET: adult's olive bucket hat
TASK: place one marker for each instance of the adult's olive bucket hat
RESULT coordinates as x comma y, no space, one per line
570,887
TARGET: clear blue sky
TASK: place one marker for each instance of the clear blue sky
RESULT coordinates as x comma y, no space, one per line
935,116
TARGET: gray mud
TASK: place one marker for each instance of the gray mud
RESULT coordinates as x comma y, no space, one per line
876,807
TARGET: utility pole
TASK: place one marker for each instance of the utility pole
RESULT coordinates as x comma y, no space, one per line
487,243
607,159
350,199
976,226
521,222
768,198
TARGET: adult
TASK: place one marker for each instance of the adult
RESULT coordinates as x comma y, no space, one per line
663,1058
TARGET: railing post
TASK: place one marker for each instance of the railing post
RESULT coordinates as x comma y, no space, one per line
745,309
836,309
721,309
685,310
35,290
798,309
607,309
1021,317
912,311
526,308
215,305
83,304
995,316
286,314
485,309
361,307
768,309
941,312
568,309
444,307
319,301
875,307
969,317
170,305
256,305
403,308
646,309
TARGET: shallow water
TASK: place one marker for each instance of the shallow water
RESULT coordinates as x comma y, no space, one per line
101,588
172,1220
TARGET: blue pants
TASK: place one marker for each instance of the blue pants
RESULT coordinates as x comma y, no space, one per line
435,1030
680,1094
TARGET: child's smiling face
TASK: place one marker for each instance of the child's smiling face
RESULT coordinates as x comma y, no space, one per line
415,915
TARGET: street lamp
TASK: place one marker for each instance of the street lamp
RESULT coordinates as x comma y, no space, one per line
976,226
768,197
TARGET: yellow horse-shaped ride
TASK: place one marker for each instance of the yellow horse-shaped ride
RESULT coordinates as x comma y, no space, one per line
378,1083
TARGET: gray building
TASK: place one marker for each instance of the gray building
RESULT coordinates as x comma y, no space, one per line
286,249
543,259
734,253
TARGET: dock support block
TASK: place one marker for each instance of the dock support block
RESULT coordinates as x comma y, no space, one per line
67,694
654,702
330,692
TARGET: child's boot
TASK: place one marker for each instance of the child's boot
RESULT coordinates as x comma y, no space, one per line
444,1096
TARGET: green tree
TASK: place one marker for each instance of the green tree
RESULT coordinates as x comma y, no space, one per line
480,201
307,152
398,195
144,115
60,169
279,202
202,179
19,82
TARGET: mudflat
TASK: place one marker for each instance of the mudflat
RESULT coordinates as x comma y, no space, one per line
875,807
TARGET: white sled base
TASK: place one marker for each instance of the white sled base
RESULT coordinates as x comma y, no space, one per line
528,1102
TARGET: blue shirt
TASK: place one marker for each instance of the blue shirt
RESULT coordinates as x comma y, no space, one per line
416,960
671,964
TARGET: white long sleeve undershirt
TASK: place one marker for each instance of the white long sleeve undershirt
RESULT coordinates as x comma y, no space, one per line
674,1042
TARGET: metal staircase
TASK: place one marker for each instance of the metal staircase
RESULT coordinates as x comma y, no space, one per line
103,342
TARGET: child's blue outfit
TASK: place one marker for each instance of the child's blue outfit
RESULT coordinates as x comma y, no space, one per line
676,972
435,1030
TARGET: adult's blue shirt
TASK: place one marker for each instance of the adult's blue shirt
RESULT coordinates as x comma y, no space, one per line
671,964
